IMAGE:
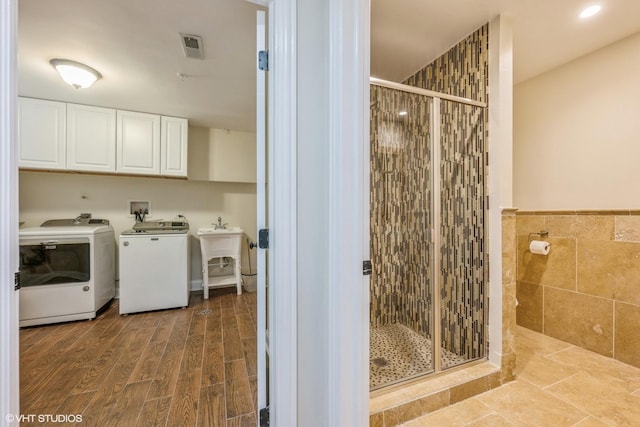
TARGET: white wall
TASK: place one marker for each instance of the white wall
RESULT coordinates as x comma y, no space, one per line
577,133
198,156
500,174
222,155
45,195
232,155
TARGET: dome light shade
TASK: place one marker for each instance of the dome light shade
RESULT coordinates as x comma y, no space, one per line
76,74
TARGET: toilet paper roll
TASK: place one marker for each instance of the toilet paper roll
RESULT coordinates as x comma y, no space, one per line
539,247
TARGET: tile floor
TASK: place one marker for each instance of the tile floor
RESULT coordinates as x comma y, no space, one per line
399,353
557,384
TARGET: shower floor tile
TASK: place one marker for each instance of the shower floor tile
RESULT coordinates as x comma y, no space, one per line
397,352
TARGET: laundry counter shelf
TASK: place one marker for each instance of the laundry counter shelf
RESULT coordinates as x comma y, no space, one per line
220,248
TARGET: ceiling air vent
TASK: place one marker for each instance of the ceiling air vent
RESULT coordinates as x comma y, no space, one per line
192,46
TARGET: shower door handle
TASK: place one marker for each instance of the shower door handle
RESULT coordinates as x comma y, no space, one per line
366,268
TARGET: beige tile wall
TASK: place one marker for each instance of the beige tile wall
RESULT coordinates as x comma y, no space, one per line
509,268
587,290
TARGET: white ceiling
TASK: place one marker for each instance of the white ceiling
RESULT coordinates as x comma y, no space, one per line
408,34
136,46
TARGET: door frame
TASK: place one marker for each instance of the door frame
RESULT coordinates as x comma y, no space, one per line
347,119
9,344
346,41
348,232
262,218
282,206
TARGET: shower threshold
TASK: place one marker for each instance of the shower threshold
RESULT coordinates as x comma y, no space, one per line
397,353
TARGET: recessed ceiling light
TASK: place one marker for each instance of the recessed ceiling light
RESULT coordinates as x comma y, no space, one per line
402,113
590,11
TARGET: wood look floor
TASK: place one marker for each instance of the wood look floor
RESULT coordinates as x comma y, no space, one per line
179,367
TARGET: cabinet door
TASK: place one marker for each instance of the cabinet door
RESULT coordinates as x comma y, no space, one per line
138,143
91,138
42,133
173,146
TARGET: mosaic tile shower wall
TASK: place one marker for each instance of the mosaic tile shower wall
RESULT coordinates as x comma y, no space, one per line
462,71
400,197
401,201
462,231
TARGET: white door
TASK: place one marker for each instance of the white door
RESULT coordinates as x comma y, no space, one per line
262,222
9,263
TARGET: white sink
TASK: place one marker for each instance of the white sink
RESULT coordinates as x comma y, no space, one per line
223,231
216,244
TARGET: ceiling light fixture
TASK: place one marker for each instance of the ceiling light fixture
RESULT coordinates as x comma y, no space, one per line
403,113
588,12
74,73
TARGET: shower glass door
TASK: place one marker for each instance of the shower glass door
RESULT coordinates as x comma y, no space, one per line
428,204
401,229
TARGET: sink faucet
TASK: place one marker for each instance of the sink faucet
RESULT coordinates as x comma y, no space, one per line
220,225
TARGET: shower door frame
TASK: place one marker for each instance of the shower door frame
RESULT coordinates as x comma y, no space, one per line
436,157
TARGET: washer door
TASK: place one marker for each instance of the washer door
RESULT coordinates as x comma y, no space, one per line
55,261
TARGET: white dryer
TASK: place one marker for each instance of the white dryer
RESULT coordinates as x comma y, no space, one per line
67,270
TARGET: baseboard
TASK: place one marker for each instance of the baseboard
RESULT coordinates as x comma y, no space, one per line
196,285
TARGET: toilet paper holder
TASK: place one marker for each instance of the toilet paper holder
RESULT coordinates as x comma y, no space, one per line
542,233
539,247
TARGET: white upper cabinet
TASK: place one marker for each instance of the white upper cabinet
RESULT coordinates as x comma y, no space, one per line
58,135
138,143
173,146
42,133
91,138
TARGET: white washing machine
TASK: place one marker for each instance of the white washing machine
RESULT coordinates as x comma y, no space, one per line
67,270
154,266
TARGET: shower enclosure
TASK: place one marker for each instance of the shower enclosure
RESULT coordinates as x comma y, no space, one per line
428,245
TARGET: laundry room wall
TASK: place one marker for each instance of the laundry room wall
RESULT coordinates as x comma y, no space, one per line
48,195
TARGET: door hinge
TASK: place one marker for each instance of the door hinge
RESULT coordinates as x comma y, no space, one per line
17,281
263,60
263,238
366,268
264,417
